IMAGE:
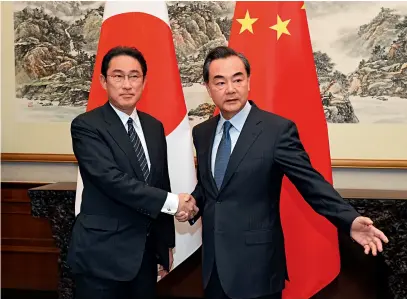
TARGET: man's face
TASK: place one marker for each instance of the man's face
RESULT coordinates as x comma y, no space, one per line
228,85
124,82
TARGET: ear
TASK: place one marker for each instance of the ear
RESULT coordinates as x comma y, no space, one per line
144,81
248,84
102,81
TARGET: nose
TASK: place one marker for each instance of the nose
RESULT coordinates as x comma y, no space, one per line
229,87
126,82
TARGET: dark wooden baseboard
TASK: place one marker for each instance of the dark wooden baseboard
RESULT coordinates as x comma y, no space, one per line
24,294
29,260
28,252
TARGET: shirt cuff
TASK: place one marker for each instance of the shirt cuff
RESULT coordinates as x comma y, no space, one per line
171,204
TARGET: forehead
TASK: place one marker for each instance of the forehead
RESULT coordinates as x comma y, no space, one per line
124,63
226,67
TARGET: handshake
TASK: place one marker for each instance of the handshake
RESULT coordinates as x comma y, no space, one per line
187,208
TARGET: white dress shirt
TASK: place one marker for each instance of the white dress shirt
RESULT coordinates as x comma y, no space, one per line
237,122
171,203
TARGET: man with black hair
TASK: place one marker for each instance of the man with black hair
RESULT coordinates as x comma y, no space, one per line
125,226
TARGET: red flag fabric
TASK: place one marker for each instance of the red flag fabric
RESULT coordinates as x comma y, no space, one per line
145,25
162,97
274,37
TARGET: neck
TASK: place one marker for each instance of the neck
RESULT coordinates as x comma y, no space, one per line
128,111
229,115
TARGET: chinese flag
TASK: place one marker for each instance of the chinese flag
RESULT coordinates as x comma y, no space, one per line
274,37
145,25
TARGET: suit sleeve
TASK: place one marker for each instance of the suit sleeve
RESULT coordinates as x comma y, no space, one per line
97,162
166,222
319,193
198,193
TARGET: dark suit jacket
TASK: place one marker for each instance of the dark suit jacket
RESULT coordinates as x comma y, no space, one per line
241,221
118,208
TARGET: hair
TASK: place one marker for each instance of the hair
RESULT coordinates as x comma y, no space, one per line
221,53
123,51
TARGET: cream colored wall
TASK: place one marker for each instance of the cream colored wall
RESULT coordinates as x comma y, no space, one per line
38,172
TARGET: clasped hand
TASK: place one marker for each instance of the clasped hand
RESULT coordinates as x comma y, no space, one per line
187,208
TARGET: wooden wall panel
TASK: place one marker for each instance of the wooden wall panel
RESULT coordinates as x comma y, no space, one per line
28,252
30,258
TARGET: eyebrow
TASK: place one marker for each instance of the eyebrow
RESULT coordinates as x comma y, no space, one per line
121,71
222,77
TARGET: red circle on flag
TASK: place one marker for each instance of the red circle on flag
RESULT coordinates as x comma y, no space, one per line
162,97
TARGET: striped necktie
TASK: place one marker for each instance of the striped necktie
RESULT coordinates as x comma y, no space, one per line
138,148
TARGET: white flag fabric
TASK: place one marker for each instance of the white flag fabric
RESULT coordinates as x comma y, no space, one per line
145,25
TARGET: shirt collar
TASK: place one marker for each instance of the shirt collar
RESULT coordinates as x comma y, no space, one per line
125,117
237,120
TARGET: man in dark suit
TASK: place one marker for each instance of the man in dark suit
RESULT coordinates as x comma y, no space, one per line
126,225
242,156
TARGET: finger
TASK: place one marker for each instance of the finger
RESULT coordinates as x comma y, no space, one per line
191,210
181,214
184,197
190,206
378,244
373,248
192,199
196,209
379,234
192,214
162,273
367,249
365,221
185,217
182,219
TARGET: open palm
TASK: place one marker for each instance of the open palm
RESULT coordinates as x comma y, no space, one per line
368,236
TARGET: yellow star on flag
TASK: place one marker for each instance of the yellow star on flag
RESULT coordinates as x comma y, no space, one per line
303,6
281,27
247,23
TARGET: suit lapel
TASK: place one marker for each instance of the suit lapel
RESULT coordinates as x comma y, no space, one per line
119,134
153,151
251,130
210,136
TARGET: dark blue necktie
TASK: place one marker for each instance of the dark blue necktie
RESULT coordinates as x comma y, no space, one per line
136,142
223,154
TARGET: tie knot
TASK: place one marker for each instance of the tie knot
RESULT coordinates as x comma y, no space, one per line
226,126
130,121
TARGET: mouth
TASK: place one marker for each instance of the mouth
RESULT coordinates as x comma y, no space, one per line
127,95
